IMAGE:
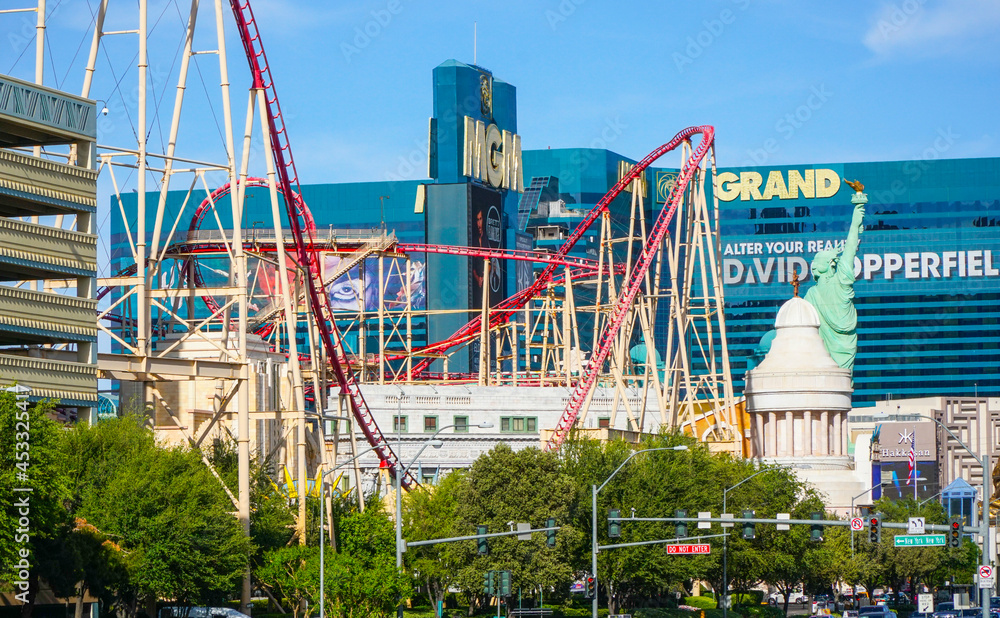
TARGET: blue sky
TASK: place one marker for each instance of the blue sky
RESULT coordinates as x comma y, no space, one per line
783,82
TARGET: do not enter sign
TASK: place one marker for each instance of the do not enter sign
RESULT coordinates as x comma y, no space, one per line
688,549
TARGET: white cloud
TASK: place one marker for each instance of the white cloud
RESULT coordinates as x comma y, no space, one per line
928,28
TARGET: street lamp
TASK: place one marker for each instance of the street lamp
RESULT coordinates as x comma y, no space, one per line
593,518
432,441
725,539
984,520
931,498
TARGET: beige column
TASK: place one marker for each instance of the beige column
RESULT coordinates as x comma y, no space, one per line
824,433
759,442
772,434
845,435
789,435
807,434
836,434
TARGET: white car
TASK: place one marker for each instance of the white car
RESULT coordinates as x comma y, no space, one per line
779,599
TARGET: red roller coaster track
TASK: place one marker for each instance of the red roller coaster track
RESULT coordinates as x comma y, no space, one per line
645,259
299,220
301,225
508,307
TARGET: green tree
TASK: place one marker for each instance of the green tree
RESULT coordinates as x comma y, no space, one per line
524,486
33,516
284,572
655,485
792,555
271,518
163,508
431,513
766,492
360,579
916,565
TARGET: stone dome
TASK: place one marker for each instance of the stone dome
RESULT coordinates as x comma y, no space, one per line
797,312
797,346
798,372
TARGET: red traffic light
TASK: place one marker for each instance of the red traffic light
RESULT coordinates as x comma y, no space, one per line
955,525
874,521
590,580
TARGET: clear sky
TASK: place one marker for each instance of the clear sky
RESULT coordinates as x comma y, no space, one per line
783,82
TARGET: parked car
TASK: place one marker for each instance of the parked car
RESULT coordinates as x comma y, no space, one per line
779,599
921,614
853,613
877,611
945,610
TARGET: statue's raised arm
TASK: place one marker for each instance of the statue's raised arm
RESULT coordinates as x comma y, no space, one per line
833,293
845,265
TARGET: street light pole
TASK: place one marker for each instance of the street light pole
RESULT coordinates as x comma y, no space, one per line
984,530
593,515
593,547
852,512
725,538
322,509
432,441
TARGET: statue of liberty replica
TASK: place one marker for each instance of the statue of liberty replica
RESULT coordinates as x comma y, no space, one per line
833,294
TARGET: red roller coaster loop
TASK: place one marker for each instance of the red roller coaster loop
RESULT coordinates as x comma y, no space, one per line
299,221
508,307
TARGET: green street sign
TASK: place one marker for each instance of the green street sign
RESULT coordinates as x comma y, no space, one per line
919,540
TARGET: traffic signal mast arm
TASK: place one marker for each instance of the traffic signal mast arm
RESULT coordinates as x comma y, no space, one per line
473,537
824,522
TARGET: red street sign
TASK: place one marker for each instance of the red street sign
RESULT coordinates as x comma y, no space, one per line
689,549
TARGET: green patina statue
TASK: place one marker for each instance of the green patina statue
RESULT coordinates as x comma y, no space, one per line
833,294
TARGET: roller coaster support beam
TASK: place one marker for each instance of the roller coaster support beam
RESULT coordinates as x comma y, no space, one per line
291,322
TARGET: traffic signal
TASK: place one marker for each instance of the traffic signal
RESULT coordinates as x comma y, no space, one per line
550,535
955,532
614,527
488,584
680,527
816,530
749,528
874,528
590,586
505,583
481,541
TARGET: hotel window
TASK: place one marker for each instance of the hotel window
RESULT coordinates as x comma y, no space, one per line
461,424
430,424
518,424
604,422
399,424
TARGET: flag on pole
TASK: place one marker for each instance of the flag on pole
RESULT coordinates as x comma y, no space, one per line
912,476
